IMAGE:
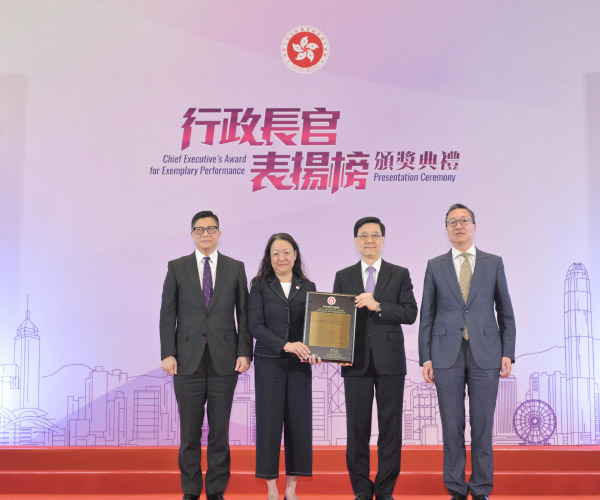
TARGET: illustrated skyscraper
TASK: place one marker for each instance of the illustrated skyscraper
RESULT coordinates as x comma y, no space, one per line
27,358
506,405
579,356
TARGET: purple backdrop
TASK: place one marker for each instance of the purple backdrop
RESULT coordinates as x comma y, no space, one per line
418,106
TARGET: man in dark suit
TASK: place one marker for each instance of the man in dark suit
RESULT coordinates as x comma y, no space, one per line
203,295
385,300
462,339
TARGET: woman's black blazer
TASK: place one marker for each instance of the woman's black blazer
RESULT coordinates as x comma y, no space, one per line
274,319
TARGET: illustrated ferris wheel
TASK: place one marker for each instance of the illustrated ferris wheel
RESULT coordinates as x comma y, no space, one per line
534,421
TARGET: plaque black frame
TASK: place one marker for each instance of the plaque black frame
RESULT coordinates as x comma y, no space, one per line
317,300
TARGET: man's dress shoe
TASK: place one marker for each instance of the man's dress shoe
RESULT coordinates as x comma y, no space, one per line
215,496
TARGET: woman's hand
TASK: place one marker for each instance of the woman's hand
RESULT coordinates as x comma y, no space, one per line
314,359
299,349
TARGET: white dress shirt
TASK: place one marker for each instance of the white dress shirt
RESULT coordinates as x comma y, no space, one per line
212,263
286,288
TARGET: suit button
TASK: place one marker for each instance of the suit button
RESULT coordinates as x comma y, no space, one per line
466,311
287,325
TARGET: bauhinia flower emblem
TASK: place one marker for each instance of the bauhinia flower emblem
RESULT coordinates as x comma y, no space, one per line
305,50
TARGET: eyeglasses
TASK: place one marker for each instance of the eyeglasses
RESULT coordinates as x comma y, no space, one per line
463,222
365,237
200,230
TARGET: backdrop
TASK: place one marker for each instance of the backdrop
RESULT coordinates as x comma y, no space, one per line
121,119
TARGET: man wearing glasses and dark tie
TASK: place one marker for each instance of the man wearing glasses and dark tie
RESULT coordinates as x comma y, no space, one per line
466,338
385,301
203,295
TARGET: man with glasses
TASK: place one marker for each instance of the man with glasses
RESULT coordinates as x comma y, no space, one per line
462,341
204,294
385,301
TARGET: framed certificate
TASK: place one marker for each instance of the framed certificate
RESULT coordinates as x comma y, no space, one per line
329,326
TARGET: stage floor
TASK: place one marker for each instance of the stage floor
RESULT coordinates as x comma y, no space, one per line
151,473
254,496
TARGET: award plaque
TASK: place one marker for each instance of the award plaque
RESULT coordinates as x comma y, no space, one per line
329,326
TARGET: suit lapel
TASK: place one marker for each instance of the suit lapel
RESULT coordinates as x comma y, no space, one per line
356,278
223,266
296,287
481,263
276,287
450,273
191,267
383,278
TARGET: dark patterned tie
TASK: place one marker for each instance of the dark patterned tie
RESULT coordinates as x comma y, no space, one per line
207,282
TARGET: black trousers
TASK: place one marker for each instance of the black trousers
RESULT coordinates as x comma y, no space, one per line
283,400
205,386
389,393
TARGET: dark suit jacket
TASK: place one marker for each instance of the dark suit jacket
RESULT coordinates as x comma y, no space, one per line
383,334
274,319
185,321
444,313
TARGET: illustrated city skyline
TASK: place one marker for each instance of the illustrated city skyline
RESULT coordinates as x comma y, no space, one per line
116,409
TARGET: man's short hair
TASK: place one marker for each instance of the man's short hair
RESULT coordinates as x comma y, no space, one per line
460,205
368,220
203,215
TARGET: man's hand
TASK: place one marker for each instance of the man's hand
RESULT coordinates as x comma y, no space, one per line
505,367
366,300
428,372
299,349
169,364
242,364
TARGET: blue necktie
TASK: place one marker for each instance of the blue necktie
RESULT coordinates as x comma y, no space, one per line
370,286
207,284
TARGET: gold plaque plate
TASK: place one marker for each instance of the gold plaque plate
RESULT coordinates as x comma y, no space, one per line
329,326
329,330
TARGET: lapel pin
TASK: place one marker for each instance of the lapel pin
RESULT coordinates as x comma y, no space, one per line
297,287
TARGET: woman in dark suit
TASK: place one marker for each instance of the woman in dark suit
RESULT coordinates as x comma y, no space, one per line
283,378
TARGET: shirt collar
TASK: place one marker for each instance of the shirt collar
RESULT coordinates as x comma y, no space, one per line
456,253
376,265
200,257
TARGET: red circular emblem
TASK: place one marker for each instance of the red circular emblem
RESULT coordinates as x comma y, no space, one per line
331,301
305,49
